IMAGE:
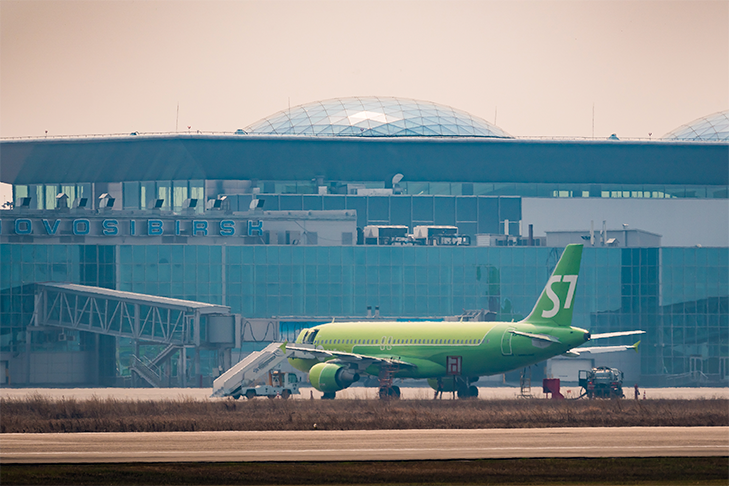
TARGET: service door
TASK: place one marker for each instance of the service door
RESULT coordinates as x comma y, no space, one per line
506,342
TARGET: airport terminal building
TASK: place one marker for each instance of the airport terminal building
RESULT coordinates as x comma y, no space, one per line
159,259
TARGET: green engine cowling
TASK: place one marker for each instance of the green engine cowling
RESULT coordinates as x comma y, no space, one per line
331,377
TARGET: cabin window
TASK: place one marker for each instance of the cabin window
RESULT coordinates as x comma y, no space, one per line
449,341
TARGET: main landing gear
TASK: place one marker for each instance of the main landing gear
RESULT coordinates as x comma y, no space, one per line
390,393
329,396
466,392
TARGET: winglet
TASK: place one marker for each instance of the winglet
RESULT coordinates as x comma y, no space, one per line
283,347
635,346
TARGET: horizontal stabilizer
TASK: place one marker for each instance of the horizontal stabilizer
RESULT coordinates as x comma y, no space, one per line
607,349
615,334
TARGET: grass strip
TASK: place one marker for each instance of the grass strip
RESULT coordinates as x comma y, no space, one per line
39,414
589,471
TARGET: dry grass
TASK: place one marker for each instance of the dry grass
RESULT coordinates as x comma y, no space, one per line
636,471
41,414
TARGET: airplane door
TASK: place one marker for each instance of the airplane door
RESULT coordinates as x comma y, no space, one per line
506,342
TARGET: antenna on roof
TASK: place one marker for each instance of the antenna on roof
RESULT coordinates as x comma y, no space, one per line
593,119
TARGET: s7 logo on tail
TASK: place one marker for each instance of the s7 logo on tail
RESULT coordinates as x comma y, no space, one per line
572,280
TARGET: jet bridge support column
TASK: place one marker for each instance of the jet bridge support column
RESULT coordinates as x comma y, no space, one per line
182,367
196,339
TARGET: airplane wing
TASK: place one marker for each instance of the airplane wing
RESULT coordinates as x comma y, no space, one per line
601,349
361,360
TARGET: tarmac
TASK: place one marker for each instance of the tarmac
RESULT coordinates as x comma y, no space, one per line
354,393
358,445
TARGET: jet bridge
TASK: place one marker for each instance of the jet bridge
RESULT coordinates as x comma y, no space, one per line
143,318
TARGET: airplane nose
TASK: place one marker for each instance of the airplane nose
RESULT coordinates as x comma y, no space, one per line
587,336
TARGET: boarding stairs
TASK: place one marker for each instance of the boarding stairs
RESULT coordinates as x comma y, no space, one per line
249,370
146,371
165,354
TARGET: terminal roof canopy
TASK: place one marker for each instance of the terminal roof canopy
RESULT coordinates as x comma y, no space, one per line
712,128
375,117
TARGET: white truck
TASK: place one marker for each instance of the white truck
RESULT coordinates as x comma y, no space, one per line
278,384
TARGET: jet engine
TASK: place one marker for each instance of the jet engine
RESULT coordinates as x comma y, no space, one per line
331,377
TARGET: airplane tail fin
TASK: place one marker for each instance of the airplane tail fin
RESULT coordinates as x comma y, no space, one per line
554,307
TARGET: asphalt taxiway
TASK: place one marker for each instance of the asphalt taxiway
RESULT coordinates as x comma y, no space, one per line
371,445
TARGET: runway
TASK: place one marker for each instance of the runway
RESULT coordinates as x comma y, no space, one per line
372,445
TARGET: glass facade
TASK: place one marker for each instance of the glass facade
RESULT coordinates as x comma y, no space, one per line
472,214
680,296
375,117
21,266
712,128
547,190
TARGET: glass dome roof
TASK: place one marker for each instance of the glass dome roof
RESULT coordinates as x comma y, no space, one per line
375,117
712,128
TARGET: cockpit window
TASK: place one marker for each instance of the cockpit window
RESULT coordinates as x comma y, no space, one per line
309,338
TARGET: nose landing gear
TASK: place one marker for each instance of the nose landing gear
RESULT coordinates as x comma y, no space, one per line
388,391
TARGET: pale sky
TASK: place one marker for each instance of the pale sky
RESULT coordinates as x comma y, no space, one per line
536,68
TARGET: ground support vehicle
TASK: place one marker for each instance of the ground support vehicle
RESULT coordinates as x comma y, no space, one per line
278,384
601,382
256,375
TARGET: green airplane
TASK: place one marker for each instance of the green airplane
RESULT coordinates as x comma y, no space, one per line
450,355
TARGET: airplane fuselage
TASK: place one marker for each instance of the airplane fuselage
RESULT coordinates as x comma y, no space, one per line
439,348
